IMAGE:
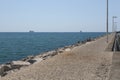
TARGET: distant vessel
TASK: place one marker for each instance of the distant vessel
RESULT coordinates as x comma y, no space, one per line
31,31
80,31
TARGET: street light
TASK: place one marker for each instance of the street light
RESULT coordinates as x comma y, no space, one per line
107,22
113,28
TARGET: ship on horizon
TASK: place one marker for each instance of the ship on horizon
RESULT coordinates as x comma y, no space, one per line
31,31
80,31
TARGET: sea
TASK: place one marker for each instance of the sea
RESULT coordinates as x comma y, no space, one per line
18,45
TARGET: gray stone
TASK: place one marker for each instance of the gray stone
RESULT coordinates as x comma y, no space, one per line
38,60
28,58
35,60
7,67
31,61
19,64
49,54
1,69
67,49
4,69
60,50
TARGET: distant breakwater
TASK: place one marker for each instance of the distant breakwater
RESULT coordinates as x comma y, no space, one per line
16,65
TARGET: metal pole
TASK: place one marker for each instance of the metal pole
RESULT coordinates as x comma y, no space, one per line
115,27
107,22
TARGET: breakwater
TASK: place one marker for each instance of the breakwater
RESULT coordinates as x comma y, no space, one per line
83,61
16,65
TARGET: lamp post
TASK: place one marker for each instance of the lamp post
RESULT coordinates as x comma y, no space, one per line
107,22
113,27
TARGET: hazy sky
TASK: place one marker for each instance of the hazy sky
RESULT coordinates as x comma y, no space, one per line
57,15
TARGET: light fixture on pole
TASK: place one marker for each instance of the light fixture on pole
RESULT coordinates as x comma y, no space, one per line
107,22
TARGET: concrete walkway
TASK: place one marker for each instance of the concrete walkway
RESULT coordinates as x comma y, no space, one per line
115,71
87,62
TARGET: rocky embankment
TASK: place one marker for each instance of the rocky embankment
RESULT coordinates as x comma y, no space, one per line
16,65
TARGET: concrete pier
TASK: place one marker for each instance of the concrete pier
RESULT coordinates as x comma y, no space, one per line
89,61
115,70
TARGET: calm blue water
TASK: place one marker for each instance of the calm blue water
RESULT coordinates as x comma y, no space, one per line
14,46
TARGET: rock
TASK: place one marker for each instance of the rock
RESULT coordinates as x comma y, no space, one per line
52,53
12,71
35,60
39,56
7,67
31,61
60,50
28,58
18,64
38,60
78,42
4,69
73,46
49,54
70,46
89,39
88,42
83,42
76,45
1,70
67,49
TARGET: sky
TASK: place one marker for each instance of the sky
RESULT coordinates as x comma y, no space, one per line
57,15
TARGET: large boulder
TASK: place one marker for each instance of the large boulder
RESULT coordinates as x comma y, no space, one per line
3,69
23,63
28,58
7,67
18,64
67,49
35,60
49,54
60,50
